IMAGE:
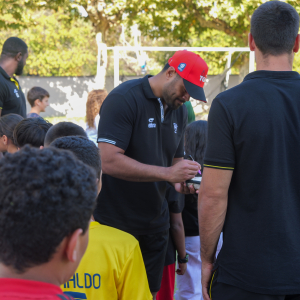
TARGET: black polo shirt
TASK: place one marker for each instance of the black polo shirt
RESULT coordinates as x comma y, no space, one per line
254,130
12,99
132,119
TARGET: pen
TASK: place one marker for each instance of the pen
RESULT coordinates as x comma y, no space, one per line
194,160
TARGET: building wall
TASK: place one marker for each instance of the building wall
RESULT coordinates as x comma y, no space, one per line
68,95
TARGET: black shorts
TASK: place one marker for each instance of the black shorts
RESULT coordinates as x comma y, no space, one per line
154,249
221,291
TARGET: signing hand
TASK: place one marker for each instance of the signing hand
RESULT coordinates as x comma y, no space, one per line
182,171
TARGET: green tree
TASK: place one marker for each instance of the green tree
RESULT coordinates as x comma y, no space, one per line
58,46
217,23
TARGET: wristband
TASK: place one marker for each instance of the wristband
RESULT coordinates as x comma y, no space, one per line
183,260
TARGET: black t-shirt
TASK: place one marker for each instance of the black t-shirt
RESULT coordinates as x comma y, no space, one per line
175,202
12,99
254,130
132,119
190,215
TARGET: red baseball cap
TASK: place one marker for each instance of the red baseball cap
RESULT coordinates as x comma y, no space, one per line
193,69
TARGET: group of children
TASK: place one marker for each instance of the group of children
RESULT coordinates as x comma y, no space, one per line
42,181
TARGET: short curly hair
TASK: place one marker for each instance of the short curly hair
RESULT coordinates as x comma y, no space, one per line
31,131
84,149
63,129
45,196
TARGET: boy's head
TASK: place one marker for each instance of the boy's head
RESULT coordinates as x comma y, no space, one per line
84,149
31,131
274,27
63,129
47,198
38,97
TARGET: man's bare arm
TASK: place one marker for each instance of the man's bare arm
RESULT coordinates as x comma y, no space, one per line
212,207
117,164
0,112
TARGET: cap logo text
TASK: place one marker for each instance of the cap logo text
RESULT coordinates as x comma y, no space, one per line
202,78
181,67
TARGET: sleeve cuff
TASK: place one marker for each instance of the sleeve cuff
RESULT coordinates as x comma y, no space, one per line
102,140
218,165
113,141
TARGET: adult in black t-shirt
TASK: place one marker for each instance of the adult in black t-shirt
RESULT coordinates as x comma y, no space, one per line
12,61
250,185
140,136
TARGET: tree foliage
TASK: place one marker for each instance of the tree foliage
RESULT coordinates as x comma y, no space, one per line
62,41
58,46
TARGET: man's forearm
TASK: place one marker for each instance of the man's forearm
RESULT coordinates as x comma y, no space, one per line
129,169
211,212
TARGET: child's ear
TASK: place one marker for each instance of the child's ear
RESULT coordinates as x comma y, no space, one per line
36,102
41,147
5,139
99,184
73,245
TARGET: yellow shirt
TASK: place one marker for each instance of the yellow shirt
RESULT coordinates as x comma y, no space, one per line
111,268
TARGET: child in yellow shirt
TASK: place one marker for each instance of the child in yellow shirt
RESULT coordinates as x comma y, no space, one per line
112,267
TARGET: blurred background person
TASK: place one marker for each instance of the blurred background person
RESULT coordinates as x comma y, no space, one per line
93,105
12,61
38,99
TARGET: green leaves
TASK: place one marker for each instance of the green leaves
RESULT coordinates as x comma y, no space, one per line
58,45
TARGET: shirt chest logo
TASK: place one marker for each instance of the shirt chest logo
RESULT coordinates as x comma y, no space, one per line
151,124
175,127
16,93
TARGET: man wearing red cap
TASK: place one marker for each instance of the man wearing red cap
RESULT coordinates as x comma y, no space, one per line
140,136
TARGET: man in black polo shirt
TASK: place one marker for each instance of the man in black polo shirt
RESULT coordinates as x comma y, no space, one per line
250,185
140,136
12,61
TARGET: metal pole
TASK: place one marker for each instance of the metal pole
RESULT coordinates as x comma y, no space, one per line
116,67
252,62
229,71
98,40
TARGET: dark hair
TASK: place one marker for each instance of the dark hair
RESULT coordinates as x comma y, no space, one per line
274,27
31,131
8,124
195,139
63,129
12,46
84,149
45,196
166,67
36,93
